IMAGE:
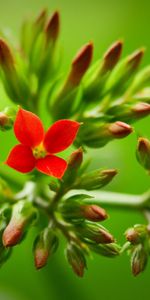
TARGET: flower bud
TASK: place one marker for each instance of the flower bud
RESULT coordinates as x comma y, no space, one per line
123,72
52,27
54,184
129,113
14,81
74,163
97,136
45,245
143,152
110,250
40,20
97,75
6,57
80,64
112,56
137,234
23,215
119,129
139,260
72,209
76,258
68,97
94,213
141,109
141,80
95,179
95,232
7,118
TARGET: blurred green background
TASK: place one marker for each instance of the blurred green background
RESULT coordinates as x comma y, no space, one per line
102,21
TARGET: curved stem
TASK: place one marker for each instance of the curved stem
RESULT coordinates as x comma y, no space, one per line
112,199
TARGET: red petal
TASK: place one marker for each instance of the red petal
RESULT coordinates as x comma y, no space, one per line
52,165
21,159
28,128
60,135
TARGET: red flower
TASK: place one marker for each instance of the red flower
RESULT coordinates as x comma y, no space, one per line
37,148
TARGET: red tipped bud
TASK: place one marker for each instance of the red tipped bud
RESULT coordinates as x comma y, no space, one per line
74,163
141,109
95,232
23,215
6,58
139,260
45,245
95,179
76,259
94,213
80,64
76,158
132,236
135,58
112,56
52,27
143,152
12,234
119,129
41,18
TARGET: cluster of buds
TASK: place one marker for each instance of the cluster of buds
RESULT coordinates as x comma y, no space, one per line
73,216
102,102
104,96
138,247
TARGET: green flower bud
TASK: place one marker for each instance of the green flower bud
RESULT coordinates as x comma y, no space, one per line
45,245
98,135
129,112
23,215
143,152
137,234
95,179
68,95
123,72
7,118
96,77
14,80
141,80
72,209
139,260
76,258
110,250
74,163
94,232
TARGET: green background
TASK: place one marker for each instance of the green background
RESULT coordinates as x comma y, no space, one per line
102,21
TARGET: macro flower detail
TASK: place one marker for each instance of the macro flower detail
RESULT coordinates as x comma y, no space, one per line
37,149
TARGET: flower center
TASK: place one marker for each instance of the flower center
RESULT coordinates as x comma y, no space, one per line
39,152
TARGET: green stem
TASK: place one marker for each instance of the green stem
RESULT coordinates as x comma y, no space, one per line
117,200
